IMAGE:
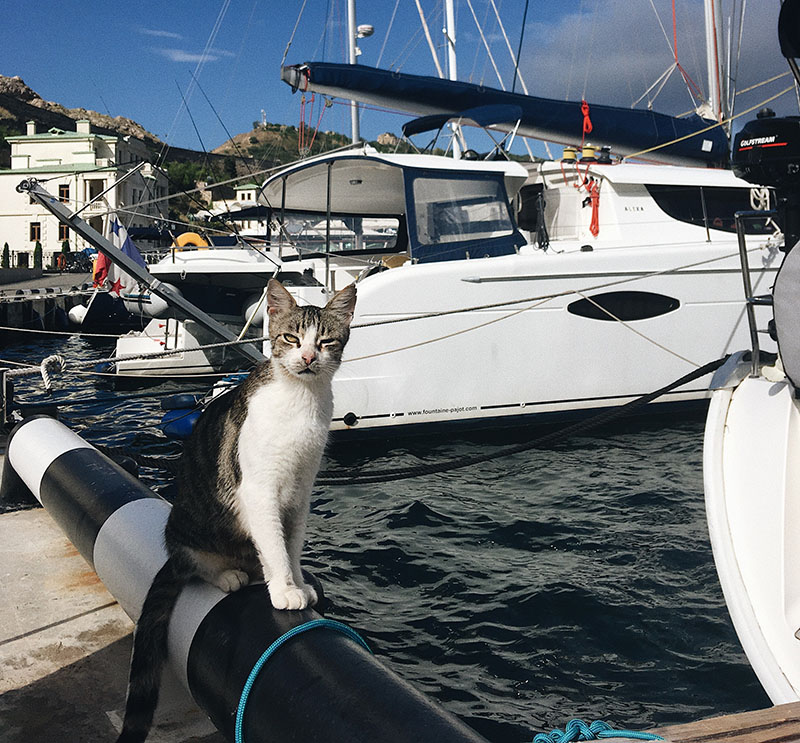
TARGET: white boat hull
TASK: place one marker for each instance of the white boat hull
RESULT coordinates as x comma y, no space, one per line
752,486
536,357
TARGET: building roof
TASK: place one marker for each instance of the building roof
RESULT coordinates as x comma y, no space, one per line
65,168
54,132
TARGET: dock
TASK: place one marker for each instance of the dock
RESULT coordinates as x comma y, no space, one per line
41,303
65,647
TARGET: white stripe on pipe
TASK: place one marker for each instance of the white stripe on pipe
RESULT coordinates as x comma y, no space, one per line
36,445
129,551
197,599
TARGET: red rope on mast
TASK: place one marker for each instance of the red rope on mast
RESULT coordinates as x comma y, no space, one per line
694,89
301,130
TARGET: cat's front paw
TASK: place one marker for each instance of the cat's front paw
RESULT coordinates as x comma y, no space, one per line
232,580
311,594
289,597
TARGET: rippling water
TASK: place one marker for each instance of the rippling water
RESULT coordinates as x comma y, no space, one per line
574,581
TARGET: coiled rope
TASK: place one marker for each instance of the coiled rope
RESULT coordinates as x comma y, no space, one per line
577,730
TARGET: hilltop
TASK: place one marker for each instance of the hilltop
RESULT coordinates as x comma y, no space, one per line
277,143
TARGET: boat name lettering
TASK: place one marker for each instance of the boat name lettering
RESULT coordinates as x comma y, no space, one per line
757,140
634,208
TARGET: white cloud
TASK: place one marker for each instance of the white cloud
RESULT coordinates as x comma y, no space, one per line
181,55
160,33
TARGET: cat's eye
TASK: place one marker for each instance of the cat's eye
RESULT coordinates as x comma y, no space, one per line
289,338
328,342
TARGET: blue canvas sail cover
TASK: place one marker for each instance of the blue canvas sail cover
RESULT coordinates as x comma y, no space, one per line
625,130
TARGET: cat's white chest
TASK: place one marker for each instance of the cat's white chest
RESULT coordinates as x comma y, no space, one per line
285,430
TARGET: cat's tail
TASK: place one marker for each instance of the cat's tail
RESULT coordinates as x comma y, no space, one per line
149,654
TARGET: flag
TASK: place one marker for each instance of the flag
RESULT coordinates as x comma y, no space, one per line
108,272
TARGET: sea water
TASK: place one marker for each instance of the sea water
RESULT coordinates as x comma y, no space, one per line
571,581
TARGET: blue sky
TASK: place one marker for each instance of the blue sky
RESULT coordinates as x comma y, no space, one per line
137,59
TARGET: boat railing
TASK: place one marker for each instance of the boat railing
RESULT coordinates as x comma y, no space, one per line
751,301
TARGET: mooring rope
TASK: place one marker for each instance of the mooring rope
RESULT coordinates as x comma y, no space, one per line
33,370
360,477
532,302
330,624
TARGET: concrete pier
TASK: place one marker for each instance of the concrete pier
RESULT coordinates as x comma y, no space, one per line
65,647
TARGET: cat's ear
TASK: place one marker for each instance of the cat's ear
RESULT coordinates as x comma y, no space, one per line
343,303
278,299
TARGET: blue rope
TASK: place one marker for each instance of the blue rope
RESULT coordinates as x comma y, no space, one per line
577,730
268,653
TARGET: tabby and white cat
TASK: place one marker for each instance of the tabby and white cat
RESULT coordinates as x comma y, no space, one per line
247,473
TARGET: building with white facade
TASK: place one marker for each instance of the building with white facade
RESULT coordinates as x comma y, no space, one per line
76,166
253,224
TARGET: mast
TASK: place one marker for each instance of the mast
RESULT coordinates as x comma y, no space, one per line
452,70
352,51
717,94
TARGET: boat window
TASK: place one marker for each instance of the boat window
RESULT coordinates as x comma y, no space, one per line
451,210
624,305
308,233
685,203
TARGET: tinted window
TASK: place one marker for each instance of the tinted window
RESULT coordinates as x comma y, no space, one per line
624,305
458,209
685,203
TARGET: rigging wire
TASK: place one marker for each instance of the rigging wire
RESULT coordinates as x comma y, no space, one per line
486,45
388,31
486,60
575,39
589,57
431,45
709,128
519,48
294,31
198,68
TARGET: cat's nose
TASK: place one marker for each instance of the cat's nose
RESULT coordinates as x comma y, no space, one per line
309,357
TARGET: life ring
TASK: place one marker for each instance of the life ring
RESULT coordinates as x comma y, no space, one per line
191,240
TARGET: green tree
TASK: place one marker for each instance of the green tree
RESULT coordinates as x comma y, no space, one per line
64,246
37,255
6,261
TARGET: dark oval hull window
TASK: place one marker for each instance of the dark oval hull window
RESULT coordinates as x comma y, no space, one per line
624,305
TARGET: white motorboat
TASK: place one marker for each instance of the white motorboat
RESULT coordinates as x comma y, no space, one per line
226,283
474,321
751,459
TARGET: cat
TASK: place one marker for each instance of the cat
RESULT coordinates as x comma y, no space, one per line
246,476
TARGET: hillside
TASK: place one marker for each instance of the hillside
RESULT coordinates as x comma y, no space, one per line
277,143
18,104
